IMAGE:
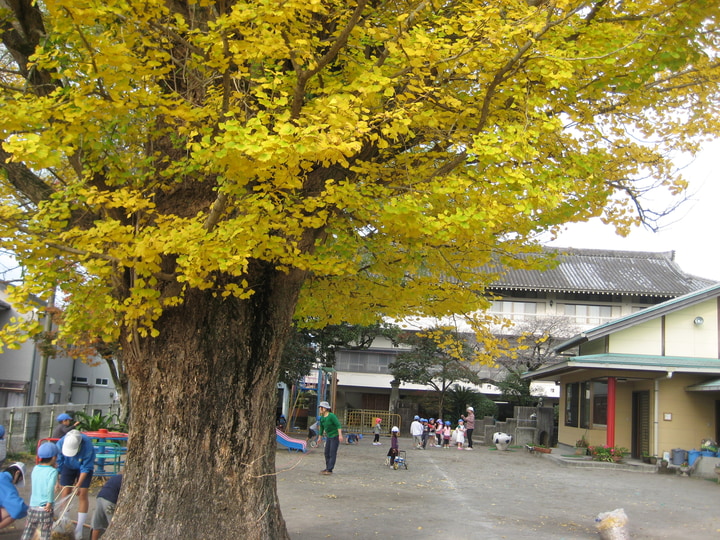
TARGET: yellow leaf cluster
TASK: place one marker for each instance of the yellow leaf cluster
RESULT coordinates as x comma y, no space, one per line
389,152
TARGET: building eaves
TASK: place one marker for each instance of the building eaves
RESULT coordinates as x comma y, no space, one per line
628,362
607,272
653,312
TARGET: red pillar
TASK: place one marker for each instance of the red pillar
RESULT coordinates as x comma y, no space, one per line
610,439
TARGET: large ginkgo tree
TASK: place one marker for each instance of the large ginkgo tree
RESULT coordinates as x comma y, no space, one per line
191,175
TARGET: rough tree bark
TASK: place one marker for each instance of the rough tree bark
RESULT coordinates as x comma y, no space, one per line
186,454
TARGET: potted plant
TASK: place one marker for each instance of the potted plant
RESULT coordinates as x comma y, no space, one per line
611,454
646,457
581,446
542,449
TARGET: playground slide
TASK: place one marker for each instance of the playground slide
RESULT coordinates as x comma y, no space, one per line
289,442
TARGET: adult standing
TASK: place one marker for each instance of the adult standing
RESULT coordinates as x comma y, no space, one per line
469,426
330,426
12,505
64,426
76,463
416,430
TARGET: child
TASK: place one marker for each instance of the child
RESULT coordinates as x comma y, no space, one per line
460,434
44,478
352,438
439,426
377,430
312,432
425,433
447,433
106,501
394,446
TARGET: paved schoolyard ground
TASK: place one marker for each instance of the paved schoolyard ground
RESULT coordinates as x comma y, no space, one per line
451,494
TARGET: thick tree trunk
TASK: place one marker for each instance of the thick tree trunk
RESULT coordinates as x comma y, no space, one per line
201,457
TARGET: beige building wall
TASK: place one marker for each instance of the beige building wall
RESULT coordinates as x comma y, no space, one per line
685,338
640,339
691,414
593,347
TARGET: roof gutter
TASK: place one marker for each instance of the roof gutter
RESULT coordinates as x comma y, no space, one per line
574,341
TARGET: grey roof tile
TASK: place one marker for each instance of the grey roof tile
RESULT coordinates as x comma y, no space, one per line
606,272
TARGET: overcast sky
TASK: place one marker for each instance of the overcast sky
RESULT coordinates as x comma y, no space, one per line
693,232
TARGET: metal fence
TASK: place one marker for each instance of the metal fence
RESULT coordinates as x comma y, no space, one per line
25,425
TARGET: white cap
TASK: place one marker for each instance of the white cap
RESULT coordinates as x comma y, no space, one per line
470,409
71,443
395,429
20,465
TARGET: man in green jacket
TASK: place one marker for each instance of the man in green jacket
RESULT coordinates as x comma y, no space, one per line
330,426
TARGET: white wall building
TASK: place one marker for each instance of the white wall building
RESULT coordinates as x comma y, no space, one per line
67,380
588,287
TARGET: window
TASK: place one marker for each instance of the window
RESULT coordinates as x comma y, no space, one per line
571,404
599,415
101,382
584,314
514,310
585,401
586,404
80,380
363,361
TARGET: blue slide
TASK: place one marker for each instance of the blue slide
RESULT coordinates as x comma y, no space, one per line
289,442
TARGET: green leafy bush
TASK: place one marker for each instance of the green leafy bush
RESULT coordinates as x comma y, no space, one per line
98,421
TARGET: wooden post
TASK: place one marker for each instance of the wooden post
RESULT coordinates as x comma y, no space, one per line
610,436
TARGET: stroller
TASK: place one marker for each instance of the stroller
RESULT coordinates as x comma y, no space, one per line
400,460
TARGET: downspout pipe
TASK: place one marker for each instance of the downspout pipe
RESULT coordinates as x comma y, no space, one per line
656,415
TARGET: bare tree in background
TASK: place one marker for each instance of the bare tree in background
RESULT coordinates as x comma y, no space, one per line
531,346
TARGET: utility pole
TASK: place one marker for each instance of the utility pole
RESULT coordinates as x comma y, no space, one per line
40,394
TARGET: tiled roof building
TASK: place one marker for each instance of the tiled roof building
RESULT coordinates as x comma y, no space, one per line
587,287
596,271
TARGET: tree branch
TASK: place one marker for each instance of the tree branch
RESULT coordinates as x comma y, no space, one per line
27,183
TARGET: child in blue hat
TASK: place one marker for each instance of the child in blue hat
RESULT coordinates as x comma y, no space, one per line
44,478
65,425
460,434
447,433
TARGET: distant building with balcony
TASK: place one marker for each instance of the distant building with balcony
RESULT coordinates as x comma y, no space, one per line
68,380
588,286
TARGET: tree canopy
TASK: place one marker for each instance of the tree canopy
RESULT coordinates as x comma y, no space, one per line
194,173
307,347
439,358
529,347
152,147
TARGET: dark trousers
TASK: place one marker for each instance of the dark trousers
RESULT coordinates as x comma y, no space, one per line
468,436
331,448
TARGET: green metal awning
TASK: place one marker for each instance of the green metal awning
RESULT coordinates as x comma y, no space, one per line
707,386
709,367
